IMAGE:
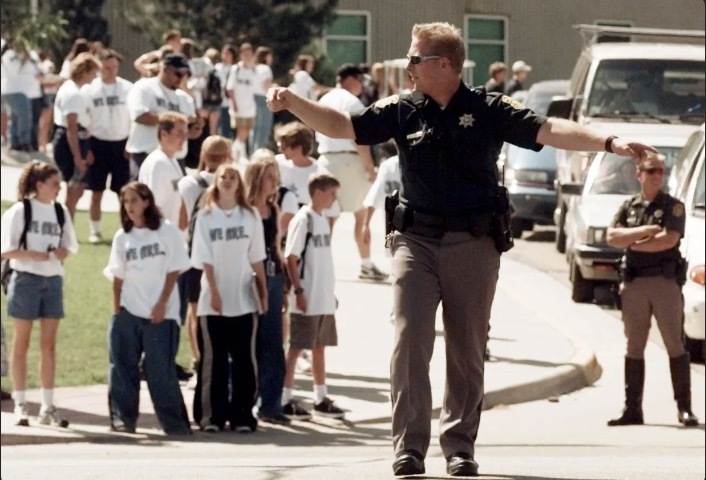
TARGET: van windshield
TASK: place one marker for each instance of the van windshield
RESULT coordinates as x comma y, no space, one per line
666,90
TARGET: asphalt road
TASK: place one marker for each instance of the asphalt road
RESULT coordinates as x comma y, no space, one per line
558,439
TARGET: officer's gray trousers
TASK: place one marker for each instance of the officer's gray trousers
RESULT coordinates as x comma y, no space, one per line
646,296
461,272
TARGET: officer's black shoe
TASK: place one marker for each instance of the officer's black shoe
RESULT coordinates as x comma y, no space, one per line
461,465
408,462
630,416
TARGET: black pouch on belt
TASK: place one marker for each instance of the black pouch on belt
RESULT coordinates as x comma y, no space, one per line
391,202
500,227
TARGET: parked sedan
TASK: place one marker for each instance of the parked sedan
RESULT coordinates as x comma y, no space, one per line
608,181
528,175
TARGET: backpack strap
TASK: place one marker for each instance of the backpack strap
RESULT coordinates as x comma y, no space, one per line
28,220
309,234
200,180
60,218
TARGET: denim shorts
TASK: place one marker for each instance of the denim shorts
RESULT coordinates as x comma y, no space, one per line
31,296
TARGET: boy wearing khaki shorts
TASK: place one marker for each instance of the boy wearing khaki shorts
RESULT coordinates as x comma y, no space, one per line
312,300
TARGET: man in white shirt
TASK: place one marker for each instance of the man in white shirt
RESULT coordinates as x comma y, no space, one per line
351,164
161,171
241,83
106,100
151,96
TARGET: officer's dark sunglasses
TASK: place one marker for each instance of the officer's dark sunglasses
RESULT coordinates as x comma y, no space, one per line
417,59
653,170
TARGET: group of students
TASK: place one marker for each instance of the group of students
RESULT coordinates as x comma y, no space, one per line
226,253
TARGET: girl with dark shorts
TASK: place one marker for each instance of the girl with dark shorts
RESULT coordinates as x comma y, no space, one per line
35,291
71,141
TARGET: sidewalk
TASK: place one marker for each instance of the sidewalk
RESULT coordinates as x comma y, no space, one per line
532,355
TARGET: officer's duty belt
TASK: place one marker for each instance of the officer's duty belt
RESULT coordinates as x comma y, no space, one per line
668,270
434,226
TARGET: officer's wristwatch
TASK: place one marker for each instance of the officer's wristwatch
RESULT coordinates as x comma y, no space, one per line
298,291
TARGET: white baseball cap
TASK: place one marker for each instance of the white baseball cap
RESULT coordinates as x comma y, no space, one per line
520,66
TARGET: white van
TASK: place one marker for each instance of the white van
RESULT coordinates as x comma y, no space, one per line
687,184
631,89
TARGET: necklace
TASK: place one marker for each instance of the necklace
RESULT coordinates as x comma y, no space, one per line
228,213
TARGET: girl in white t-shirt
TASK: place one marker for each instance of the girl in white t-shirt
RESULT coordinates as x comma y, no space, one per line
35,291
215,151
229,246
262,183
146,258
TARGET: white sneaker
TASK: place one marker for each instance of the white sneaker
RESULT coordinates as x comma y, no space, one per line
373,273
51,417
95,237
21,415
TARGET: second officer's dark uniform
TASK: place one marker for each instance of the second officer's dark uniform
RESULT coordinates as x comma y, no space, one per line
444,249
652,286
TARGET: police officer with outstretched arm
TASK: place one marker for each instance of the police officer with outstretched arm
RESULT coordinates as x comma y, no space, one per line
649,226
449,228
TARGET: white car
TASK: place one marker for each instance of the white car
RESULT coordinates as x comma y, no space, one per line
670,75
608,181
689,188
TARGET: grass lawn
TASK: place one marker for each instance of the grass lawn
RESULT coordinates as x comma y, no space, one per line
82,351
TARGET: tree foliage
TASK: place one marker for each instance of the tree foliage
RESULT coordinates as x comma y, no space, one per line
285,26
56,25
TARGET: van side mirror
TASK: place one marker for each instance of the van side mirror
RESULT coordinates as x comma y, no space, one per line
560,108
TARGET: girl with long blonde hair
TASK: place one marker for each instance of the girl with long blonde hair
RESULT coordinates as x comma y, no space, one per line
229,246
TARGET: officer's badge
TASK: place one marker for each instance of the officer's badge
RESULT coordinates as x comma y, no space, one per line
384,102
512,102
466,120
658,214
678,210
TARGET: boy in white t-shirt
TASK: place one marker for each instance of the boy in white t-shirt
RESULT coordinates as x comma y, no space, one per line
312,301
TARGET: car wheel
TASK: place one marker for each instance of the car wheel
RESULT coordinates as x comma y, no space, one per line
560,237
696,349
581,289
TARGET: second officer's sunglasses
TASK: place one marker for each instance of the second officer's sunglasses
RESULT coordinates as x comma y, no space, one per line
417,59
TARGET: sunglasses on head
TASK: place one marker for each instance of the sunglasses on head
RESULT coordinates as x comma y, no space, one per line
417,59
653,170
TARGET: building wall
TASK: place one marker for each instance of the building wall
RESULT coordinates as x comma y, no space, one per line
130,43
539,31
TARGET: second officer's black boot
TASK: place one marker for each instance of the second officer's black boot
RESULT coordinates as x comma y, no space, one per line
680,369
634,386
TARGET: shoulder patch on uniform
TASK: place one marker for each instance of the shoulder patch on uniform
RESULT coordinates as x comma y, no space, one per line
384,102
517,105
678,210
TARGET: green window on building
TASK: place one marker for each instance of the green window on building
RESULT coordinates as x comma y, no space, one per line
348,38
486,42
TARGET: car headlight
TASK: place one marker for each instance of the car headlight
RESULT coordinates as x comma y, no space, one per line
596,235
531,176
697,275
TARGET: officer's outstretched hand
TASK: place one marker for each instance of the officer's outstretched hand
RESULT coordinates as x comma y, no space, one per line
635,150
277,98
